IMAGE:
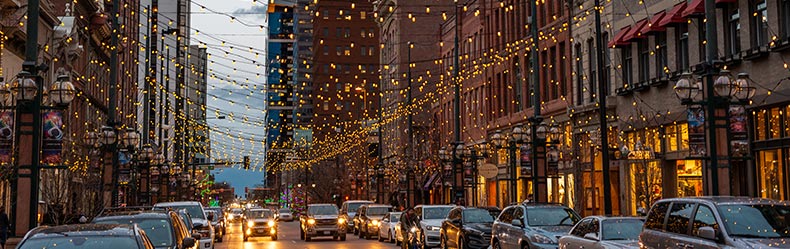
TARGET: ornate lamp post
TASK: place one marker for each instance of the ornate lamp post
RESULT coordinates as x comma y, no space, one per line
512,143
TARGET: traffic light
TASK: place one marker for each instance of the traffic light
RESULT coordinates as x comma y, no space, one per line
246,162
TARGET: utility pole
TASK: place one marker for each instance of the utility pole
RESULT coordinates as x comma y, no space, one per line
536,119
151,82
112,95
411,197
602,93
179,96
711,71
146,85
457,112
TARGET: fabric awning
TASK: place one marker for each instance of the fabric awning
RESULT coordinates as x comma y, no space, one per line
652,25
695,8
674,16
618,38
636,32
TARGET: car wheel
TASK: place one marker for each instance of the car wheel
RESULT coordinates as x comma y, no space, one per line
343,237
380,238
390,239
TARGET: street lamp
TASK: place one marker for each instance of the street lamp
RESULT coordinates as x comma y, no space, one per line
512,143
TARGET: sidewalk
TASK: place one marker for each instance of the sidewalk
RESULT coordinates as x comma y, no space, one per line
11,242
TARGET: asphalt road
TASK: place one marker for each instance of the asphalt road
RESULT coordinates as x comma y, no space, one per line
289,238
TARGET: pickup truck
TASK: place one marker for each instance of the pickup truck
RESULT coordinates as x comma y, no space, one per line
322,220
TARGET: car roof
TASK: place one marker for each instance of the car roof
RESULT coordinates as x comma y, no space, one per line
433,206
378,205
178,203
85,230
605,217
134,215
259,209
720,200
321,204
357,201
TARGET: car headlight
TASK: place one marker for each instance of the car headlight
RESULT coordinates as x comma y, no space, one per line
341,220
271,223
375,222
250,223
413,229
542,239
311,222
432,228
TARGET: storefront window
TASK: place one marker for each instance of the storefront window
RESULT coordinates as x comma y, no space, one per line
775,119
684,136
759,124
689,177
645,189
676,137
787,120
772,180
569,191
646,139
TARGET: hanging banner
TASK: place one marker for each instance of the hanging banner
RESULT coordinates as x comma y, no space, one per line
526,162
6,136
696,124
52,139
739,142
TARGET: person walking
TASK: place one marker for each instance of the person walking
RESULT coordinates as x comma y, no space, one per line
5,224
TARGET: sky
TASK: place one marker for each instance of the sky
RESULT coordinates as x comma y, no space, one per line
237,101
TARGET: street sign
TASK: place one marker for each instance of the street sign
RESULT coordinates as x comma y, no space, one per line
488,170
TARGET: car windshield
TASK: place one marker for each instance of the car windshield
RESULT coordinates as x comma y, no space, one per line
621,229
378,211
477,216
435,213
195,211
551,216
322,210
756,221
394,217
353,207
260,214
285,211
159,231
81,242
212,213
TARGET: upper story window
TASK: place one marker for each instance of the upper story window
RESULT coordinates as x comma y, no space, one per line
732,33
644,60
759,23
592,76
784,15
682,53
628,68
661,54
577,53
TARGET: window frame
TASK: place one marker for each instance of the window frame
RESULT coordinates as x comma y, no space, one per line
579,74
643,53
662,58
592,75
759,27
682,49
732,30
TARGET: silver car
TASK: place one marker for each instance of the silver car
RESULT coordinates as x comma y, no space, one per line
717,222
604,232
532,225
431,217
285,214
387,229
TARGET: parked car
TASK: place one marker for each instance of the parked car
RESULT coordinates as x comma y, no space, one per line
532,225
285,214
220,218
431,217
89,236
494,211
236,215
259,222
388,227
604,232
213,218
322,220
165,229
370,216
200,222
348,211
467,228
717,222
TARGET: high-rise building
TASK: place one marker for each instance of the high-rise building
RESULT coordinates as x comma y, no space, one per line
198,146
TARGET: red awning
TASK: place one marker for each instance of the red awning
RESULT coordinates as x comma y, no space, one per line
652,25
636,32
674,16
618,39
696,7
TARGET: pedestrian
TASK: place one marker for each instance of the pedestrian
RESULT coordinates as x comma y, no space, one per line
5,225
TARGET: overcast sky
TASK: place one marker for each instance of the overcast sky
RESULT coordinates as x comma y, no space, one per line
230,40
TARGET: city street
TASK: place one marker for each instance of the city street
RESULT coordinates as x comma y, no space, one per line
289,238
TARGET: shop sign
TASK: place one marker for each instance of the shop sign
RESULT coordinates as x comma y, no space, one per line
488,170
696,124
526,162
739,141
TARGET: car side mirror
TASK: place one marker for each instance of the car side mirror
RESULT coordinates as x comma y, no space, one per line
196,236
189,242
591,236
707,233
517,222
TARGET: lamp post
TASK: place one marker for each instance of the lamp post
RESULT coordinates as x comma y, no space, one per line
512,143
471,155
719,93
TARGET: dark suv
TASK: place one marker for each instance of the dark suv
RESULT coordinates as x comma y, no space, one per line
165,229
370,216
532,225
348,211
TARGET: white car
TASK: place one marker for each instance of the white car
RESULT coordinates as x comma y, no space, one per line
285,214
387,229
431,217
604,232
199,220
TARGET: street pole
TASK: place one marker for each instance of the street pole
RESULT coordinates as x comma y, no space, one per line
111,120
410,197
456,108
536,119
602,93
512,146
151,83
710,72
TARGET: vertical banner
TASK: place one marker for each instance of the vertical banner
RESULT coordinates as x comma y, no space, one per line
6,136
526,161
696,124
739,143
52,139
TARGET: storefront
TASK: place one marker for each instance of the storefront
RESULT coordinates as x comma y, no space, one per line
771,150
589,174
